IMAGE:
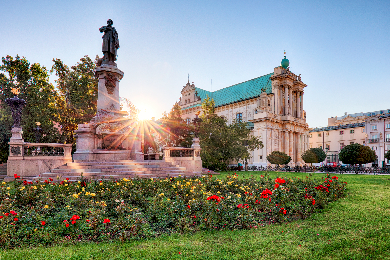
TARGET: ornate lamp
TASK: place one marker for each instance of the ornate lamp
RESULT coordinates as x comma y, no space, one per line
16,104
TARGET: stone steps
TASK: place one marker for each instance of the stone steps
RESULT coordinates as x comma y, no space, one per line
115,170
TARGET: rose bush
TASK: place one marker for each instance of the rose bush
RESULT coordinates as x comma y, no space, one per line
47,212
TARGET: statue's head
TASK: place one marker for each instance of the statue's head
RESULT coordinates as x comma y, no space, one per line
109,22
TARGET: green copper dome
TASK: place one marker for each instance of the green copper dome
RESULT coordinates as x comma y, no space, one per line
285,63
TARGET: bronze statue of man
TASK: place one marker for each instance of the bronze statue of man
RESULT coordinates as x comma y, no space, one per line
110,43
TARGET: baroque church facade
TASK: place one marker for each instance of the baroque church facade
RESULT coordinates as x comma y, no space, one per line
271,104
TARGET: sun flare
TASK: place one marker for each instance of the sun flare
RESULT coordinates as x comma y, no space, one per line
144,114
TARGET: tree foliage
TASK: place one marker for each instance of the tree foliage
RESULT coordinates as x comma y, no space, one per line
77,95
314,155
222,143
33,82
278,158
179,133
357,154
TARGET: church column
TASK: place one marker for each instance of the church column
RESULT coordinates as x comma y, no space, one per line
298,104
290,144
302,104
286,142
286,101
276,109
291,102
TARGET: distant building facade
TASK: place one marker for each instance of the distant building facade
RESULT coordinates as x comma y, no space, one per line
272,105
364,128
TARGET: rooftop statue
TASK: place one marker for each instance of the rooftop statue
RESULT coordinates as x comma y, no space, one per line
110,43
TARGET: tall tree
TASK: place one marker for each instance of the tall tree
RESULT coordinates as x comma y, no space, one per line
222,143
180,133
357,154
77,99
33,82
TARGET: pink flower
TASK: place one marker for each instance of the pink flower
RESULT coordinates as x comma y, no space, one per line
13,213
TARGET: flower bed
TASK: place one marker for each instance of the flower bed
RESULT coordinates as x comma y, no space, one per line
56,212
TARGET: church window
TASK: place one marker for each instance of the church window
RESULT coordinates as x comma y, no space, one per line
239,117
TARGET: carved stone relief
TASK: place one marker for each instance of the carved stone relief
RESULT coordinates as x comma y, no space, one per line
110,83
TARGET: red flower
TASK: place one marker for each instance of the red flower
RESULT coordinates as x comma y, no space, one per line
284,212
276,186
16,176
13,213
88,220
106,220
241,206
16,219
266,193
73,222
279,180
66,225
43,223
188,206
214,197
75,217
6,214
1,217
335,177
313,201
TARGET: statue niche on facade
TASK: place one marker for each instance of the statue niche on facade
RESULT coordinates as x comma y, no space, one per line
110,43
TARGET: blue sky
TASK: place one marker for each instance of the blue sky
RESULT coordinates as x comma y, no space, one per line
340,48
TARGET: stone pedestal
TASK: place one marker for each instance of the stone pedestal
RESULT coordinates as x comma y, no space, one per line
108,87
16,143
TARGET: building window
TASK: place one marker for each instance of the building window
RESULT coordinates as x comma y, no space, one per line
261,157
351,131
327,147
362,130
373,127
388,147
310,136
239,117
388,126
352,142
320,147
364,142
341,146
387,137
319,134
188,121
341,132
327,133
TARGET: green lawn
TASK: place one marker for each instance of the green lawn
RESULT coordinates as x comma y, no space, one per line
355,227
